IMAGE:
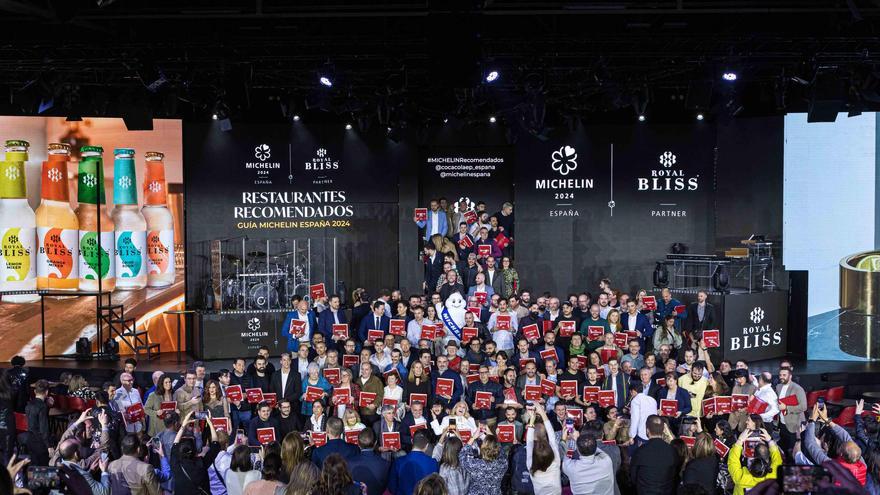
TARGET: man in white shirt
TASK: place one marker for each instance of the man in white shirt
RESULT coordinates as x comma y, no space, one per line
592,472
414,327
125,397
503,338
382,357
641,406
766,393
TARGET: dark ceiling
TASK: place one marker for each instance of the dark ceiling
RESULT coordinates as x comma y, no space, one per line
410,62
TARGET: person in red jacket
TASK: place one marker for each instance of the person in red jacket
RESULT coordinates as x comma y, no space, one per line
848,454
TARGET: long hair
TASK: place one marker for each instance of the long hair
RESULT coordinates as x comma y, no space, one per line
292,451
450,453
335,477
219,389
490,449
160,385
542,452
432,484
241,459
703,446
303,478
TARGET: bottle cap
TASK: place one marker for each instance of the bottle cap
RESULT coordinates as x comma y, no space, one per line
124,178
154,183
91,149
152,156
53,178
123,151
91,179
17,145
13,183
59,148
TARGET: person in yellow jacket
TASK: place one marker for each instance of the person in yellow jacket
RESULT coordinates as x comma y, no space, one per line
761,467
695,385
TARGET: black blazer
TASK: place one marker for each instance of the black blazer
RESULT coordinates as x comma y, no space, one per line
693,324
433,271
293,387
654,467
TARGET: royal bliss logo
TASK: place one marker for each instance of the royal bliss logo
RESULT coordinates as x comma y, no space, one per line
669,176
262,163
322,161
760,333
563,162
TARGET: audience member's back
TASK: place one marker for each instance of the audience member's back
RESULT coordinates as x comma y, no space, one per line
368,467
411,468
653,465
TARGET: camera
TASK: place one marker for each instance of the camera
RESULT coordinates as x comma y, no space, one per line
201,415
801,479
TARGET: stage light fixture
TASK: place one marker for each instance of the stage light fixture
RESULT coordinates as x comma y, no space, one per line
492,76
700,116
389,130
642,117
446,120
729,76
347,127
325,81
214,116
296,118
492,119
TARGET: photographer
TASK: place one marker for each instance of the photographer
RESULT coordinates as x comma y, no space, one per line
761,467
82,433
190,470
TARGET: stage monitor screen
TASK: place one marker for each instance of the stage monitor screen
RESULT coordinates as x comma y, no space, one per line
830,218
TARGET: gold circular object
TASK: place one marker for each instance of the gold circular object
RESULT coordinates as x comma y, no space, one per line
860,282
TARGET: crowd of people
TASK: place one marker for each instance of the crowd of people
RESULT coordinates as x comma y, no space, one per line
608,395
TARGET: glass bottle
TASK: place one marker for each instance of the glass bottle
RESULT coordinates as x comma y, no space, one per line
57,226
94,257
160,223
18,227
131,228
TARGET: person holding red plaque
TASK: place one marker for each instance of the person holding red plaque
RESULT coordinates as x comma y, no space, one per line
262,420
376,320
330,323
370,383
301,332
128,400
503,324
313,380
388,426
484,396
433,220
492,250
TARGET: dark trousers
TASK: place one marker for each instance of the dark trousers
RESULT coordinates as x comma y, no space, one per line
787,439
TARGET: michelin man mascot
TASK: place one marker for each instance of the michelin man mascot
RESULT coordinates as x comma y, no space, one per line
452,316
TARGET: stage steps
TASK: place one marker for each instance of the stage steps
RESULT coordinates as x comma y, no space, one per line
113,317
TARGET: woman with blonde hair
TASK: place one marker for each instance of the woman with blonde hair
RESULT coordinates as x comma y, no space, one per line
351,420
702,467
614,321
292,454
444,246
79,387
302,480
459,416
417,382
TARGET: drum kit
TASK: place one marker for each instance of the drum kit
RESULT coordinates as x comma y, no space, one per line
263,282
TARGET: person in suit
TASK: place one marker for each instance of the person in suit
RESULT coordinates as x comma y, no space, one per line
433,267
329,317
480,285
302,313
388,424
493,275
411,468
682,397
649,386
368,467
375,321
635,320
461,247
287,382
128,474
436,222
335,444
655,464
791,416
414,417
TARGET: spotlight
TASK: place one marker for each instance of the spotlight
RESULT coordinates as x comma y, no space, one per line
389,130
347,127
641,117
492,76
446,120
296,118
729,76
700,116
492,119
325,81
214,116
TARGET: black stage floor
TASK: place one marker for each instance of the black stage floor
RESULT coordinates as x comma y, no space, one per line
857,376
